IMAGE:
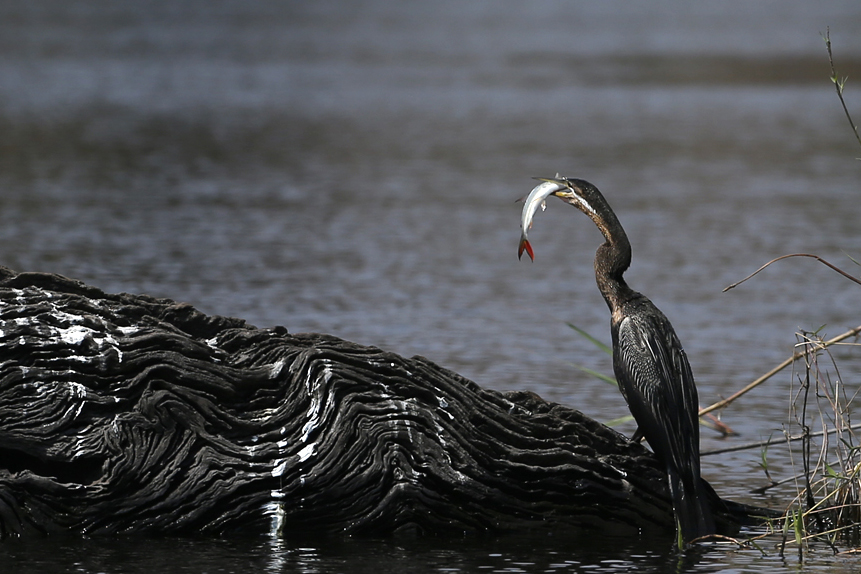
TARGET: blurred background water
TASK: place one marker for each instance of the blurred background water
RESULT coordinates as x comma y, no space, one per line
352,168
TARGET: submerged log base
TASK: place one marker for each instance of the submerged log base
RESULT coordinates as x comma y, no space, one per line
125,413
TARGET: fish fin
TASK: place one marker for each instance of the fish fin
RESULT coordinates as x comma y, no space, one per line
525,246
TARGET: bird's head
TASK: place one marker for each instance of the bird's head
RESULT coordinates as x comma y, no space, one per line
578,192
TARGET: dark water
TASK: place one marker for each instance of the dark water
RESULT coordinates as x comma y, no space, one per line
526,553
351,168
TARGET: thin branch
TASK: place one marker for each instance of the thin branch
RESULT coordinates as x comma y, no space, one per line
838,84
778,368
774,483
773,440
818,258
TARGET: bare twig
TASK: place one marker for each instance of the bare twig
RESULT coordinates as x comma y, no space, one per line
715,423
770,441
775,483
777,369
818,258
839,83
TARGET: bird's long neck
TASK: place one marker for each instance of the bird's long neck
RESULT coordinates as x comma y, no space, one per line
612,260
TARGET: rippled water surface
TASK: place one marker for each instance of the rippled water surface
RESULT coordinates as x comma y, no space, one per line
351,168
526,553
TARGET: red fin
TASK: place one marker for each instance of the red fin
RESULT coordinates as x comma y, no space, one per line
525,246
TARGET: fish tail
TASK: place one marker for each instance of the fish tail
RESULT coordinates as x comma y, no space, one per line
525,246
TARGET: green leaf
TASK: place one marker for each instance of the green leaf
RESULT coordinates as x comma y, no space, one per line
592,339
831,472
798,524
596,374
763,453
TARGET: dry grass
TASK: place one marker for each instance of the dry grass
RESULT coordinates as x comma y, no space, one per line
827,506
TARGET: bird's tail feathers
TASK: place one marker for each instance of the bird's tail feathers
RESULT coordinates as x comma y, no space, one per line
692,507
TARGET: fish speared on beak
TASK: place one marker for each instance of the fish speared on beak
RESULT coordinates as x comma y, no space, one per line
536,197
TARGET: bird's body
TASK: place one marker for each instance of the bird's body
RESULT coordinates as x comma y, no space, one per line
650,365
656,380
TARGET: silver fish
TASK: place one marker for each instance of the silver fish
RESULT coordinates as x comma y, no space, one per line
536,197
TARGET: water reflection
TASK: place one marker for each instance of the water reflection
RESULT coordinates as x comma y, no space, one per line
526,552
540,553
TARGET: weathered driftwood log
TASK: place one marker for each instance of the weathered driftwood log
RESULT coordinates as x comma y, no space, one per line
127,413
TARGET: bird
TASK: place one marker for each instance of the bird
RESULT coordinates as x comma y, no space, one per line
650,365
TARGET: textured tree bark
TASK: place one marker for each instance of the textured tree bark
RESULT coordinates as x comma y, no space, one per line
123,413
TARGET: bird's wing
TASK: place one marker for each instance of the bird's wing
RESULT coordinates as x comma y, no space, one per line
657,382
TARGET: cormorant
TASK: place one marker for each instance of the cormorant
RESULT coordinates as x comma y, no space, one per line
650,365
